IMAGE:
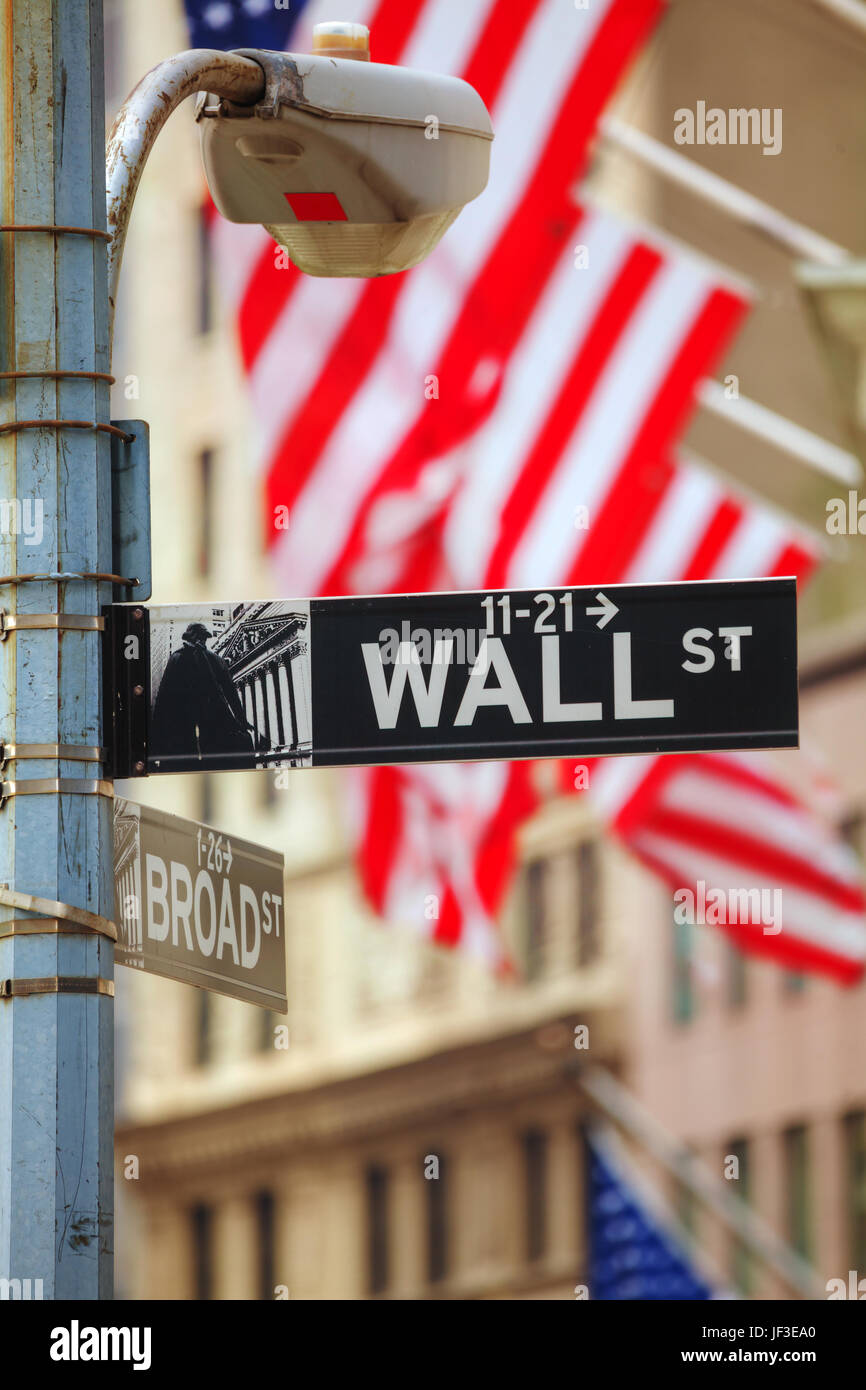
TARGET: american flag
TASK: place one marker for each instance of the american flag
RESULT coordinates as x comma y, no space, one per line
506,415
636,1247
354,418
722,819
447,836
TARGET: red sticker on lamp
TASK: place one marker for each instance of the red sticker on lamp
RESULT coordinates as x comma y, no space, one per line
316,207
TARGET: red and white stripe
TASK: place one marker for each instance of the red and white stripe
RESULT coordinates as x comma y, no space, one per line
603,380
437,847
558,387
337,369
720,820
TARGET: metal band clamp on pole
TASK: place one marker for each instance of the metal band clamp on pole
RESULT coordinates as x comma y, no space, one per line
47,908
52,227
65,576
57,984
40,926
15,426
63,622
64,752
56,786
53,374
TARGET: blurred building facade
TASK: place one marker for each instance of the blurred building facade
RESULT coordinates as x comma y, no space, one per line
742,1060
410,1127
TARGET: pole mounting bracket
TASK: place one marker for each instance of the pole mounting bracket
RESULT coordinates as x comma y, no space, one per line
50,910
56,786
65,752
39,926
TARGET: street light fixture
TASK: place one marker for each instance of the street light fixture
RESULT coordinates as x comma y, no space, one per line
356,168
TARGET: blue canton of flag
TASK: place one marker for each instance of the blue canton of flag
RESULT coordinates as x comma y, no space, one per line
242,23
634,1252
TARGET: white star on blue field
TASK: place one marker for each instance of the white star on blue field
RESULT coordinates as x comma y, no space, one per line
241,23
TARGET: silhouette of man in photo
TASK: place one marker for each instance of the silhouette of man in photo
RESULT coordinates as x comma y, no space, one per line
198,711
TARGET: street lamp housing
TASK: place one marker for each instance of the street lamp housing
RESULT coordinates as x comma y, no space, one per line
356,168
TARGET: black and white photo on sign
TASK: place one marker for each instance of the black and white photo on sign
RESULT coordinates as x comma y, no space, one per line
230,686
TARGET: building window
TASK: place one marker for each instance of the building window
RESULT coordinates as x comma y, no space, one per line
797,1185
587,902
205,469
741,1263
437,1223
377,1228
683,991
203,1028
204,271
853,831
794,981
201,1221
266,1239
737,977
535,1190
536,918
436,980
855,1187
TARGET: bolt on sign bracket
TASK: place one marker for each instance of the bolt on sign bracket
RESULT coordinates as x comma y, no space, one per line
126,690
130,508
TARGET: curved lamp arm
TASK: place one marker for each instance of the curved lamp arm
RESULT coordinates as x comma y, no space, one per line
143,115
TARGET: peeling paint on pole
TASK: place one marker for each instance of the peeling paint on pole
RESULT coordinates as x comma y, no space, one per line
56,1048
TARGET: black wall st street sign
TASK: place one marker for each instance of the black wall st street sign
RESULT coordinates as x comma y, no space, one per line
643,668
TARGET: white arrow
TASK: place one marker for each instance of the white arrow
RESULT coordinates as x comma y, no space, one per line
608,610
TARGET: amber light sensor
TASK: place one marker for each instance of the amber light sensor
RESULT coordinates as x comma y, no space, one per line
336,39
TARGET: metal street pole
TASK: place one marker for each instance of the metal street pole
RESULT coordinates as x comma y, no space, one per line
56,962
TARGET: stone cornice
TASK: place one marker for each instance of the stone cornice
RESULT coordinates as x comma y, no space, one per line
424,1094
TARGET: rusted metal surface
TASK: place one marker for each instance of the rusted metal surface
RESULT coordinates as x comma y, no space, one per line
56,1054
14,426
57,376
142,117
